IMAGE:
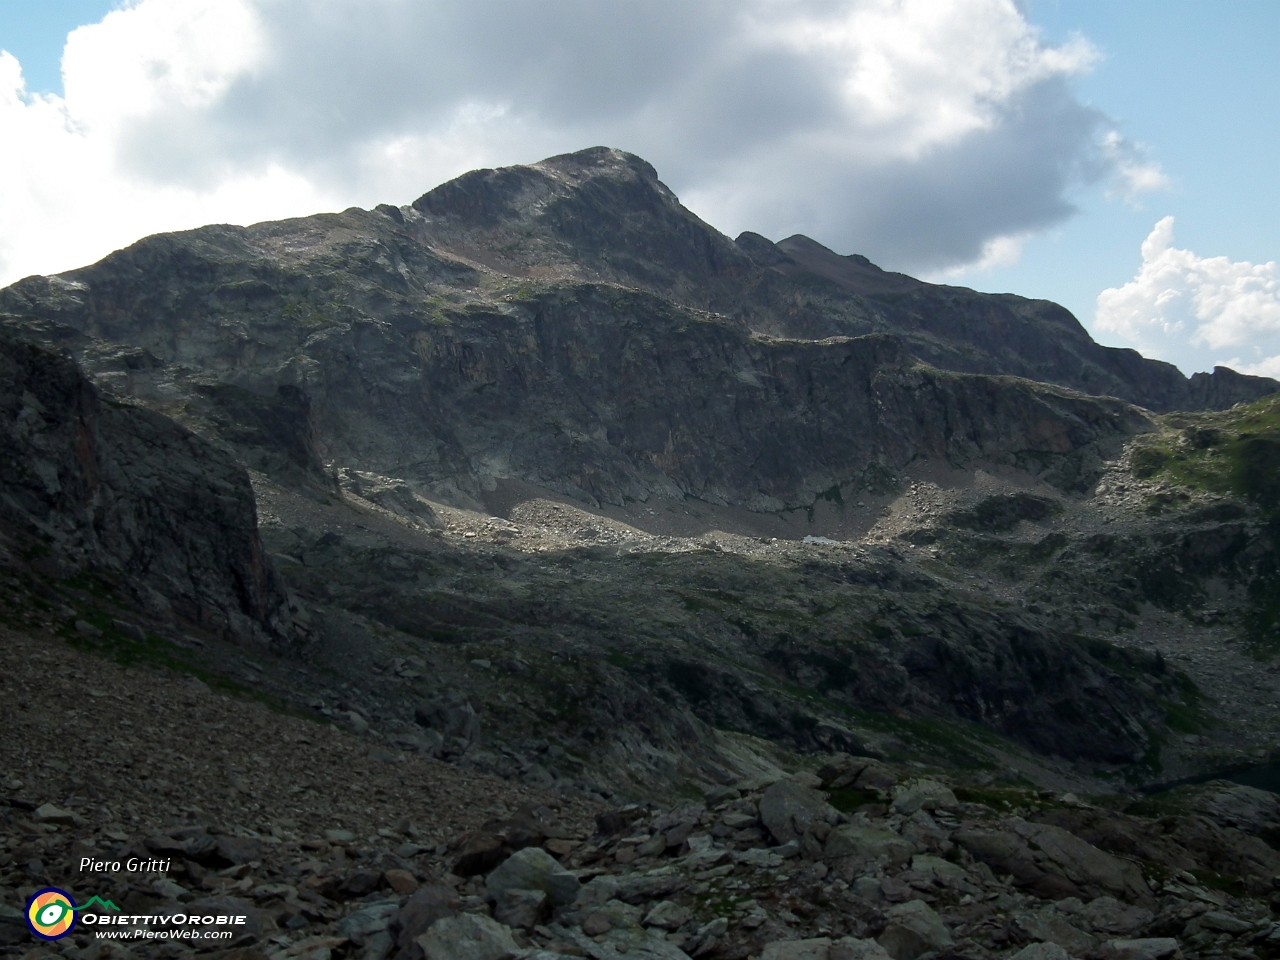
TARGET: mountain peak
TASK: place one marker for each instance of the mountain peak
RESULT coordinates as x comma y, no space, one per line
600,161
485,197
599,214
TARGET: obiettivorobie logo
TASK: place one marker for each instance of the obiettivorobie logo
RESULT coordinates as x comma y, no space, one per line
51,913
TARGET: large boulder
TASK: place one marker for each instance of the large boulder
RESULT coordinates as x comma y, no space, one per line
668,915
534,869
922,795
944,871
1050,926
1052,863
468,936
480,852
1109,915
1147,948
813,949
867,843
788,810
914,929
417,915
520,908
852,948
1245,808
824,948
1041,951
369,922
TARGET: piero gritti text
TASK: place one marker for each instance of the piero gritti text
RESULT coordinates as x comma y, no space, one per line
132,865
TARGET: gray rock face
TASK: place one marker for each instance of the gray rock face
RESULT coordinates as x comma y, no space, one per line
1148,948
813,949
1050,926
1054,863
853,948
1107,915
534,869
922,795
867,843
667,915
569,330
657,364
1041,951
789,810
468,936
1246,808
570,204
418,914
520,908
913,929
128,493
824,948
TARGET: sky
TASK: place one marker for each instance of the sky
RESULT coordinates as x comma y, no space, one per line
1115,157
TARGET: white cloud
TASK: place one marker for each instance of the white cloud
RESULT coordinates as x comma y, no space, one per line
923,133
1180,305
1132,173
997,252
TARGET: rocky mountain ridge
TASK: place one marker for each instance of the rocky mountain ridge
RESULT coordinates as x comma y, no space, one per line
520,320
601,214
426,395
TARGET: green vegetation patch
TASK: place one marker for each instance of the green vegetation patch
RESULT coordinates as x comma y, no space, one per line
1232,452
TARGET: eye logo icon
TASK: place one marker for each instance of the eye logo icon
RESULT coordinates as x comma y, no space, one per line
51,914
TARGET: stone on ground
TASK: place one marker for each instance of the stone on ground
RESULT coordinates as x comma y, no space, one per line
789,810
1149,948
1041,951
867,843
851,948
468,936
922,795
668,915
813,949
520,908
534,869
913,929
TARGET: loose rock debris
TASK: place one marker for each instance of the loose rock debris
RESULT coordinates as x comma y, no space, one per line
335,848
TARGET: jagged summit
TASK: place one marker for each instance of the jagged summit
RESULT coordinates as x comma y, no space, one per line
595,214
603,214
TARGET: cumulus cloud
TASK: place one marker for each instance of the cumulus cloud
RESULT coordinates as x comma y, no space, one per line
1180,306
926,134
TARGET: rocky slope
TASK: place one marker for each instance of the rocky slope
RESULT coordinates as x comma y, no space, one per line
235,811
